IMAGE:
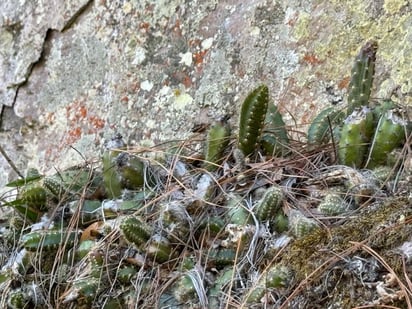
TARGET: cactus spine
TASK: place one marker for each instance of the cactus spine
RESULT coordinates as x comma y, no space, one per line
360,85
270,204
135,231
35,196
332,205
300,225
252,116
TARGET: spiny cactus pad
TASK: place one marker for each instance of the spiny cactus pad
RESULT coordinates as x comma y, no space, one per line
252,119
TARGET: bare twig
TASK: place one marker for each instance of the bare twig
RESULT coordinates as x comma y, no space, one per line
10,162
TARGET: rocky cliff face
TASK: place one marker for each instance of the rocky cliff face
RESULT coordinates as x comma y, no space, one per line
72,73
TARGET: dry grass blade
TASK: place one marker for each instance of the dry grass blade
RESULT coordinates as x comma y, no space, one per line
406,292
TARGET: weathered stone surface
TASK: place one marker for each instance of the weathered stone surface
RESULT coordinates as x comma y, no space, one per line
23,29
152,69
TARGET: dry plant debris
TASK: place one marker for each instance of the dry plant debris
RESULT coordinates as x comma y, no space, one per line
213,222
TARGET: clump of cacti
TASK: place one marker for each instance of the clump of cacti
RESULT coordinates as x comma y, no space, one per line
190,228
369,132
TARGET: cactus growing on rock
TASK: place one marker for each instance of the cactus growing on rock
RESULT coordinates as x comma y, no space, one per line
252,119
323,125
275,140
389,134
360,85
216,143
355,137
270,204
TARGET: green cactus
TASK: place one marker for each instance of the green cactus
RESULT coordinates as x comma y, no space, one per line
135,230
132,171
84,248
34,196
212,225
125,274
300,225
333,204
111,177
390,133
159,248
252,116
277,276
360,85
280,223
355,137
237,213
255,295
84,291
275,140
48,240
185,290
216,143
17,299
221,257
320,129
217,291
383,173
175,220
55,187
270,204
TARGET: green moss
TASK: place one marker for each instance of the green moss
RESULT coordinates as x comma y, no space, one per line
378,227
301,29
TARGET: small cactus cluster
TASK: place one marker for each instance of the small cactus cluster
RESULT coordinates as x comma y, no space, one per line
183,227
277,276
368,133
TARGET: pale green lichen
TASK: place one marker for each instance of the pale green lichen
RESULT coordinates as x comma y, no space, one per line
394,6
394,36
301,29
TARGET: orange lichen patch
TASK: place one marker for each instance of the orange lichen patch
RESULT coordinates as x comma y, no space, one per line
73,135
199,57
76,111
144,26
194,43
184,78
80,120
97,123
311,59
344,83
